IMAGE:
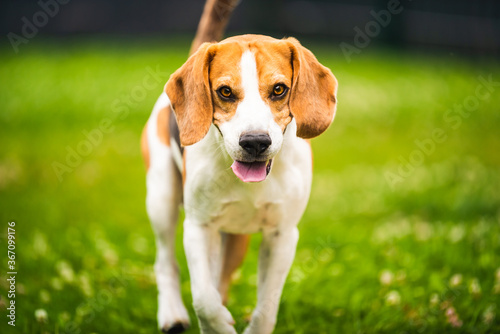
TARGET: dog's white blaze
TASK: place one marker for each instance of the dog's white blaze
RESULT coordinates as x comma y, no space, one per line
252,110
252,113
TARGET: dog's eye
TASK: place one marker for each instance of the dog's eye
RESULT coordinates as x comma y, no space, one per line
279,90
225,92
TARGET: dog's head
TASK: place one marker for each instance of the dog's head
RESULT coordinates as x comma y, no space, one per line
251,87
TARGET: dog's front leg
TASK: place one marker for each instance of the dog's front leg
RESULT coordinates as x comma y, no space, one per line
275,259
202,246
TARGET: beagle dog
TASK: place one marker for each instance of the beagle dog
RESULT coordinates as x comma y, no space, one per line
228,140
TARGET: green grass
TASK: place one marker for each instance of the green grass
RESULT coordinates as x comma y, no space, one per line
374,256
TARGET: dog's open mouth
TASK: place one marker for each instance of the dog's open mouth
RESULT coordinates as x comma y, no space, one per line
252,171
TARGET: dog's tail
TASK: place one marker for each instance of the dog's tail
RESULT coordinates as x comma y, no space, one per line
213,22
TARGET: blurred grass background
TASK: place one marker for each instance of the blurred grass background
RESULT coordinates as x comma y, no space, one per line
417,256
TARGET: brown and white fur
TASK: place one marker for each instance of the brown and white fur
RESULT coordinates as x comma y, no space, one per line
221,210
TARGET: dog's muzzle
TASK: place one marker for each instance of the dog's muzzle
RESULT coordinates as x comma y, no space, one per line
255,168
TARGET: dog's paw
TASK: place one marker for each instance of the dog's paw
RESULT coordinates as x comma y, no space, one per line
175,328
258,330
172,314
220,322
260,323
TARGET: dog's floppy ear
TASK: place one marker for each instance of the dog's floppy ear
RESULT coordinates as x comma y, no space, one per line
189,92
313,96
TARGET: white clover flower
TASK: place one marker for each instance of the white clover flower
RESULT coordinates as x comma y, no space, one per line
434,300
40,244
56,283
386,277
474,287
496,287
456,280
85,285
393,298
489,314
65,271
41,315
423,231
44,296
457,233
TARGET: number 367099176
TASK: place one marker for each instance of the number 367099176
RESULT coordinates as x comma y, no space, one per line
11,235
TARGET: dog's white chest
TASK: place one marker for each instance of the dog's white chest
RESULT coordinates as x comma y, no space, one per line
217,197
247,214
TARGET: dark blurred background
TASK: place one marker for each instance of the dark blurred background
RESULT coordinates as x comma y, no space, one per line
465,25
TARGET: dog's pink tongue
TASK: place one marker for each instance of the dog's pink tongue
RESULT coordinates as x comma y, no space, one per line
250,171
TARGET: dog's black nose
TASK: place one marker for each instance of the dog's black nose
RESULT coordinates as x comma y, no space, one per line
255,143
